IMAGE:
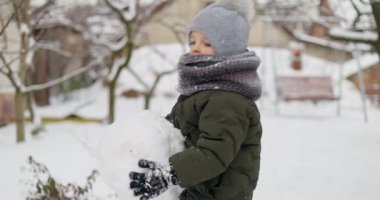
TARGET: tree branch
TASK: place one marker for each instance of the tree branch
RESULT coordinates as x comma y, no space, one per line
5,63
3,72
17,83
138,78
117,11
353,36
10,74
63,78
176,32
52,47
163,56
152,11
11,18
17,14
159,75
5,37
10,62
125,64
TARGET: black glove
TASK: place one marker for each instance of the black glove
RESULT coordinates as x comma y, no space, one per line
155,181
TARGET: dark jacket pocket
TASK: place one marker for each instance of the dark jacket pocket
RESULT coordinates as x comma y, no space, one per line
232,186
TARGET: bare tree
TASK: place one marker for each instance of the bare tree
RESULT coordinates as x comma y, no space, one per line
177,29
132,16
20,15
368,34
17,74
149,89
376,14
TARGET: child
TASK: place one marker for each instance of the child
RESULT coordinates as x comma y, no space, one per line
216,112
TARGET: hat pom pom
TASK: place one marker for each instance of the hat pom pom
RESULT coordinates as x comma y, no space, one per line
244,7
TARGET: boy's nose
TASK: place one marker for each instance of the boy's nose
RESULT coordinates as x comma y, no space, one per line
195,49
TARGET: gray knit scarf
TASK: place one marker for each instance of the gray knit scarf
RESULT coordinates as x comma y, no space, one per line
237,73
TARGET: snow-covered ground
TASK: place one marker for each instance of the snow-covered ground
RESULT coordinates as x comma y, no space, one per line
308,152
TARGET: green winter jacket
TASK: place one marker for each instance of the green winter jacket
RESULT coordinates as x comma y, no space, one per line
222,156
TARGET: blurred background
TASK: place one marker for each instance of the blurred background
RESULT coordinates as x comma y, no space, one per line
76,66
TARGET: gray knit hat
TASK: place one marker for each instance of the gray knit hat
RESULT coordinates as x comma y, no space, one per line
226,23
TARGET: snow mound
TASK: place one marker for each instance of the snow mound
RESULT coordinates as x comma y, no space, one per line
145,135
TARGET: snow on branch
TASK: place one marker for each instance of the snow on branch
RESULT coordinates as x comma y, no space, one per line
52,47
365,37
118,46
56,21
366,60
17,84
327,43
24,29
126,12
118,63
63,78
6,69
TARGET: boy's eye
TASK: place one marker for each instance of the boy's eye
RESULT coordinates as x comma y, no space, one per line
207,44
191,43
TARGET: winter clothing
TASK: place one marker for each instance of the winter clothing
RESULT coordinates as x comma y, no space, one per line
216,112
235,73
154,182
226,24
222,156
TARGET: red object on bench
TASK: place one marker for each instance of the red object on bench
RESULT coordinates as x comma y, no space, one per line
305,88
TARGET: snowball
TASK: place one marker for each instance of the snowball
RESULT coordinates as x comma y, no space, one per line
145,135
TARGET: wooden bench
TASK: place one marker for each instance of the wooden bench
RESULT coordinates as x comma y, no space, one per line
373,93
305,88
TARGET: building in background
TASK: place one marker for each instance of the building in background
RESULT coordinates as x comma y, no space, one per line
9,42
50,65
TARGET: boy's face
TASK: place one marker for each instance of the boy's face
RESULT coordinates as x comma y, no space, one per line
199,44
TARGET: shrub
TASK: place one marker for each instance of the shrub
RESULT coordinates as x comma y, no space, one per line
45,187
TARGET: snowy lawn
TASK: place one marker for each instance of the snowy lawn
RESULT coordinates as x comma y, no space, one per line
318,157
308,153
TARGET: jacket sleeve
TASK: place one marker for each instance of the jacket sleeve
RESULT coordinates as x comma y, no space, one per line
223,124
171,116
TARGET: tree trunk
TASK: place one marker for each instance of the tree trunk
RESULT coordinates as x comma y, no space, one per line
111,103
147,100
376,14
113,83
20,119
23,67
